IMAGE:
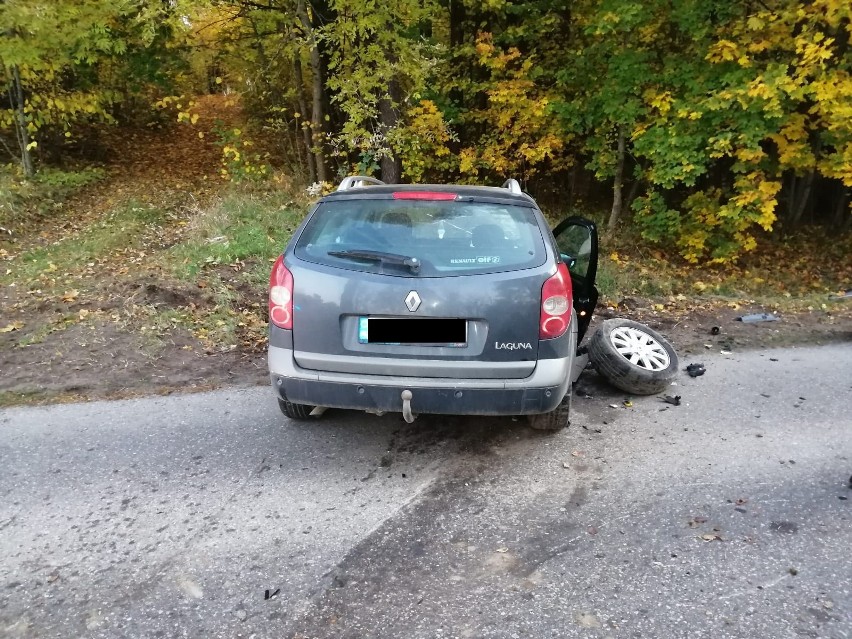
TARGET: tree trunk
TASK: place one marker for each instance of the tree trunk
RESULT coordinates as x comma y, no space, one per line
802,199
842,215
791,196
458,15
317,114
389,116
303,110
21,132
618,182
633,192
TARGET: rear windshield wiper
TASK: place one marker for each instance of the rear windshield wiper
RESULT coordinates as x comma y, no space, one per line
380,256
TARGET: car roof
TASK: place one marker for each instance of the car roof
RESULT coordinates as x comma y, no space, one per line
387,190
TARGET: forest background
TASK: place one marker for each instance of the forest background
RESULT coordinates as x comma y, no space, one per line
183,140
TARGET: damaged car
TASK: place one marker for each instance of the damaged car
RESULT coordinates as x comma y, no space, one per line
445,299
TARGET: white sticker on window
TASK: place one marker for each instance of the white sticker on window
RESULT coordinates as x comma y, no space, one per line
482,259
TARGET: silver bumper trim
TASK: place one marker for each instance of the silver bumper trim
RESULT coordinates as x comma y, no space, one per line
547,373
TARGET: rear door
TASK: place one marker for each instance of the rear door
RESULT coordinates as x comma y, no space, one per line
480,269
577,239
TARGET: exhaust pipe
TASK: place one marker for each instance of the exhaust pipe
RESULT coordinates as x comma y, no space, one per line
407,415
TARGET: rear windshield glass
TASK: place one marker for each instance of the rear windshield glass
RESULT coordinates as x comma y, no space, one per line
445,237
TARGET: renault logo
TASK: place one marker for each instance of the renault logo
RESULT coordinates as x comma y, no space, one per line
412,301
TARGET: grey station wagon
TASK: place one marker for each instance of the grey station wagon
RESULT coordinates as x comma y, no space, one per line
431,299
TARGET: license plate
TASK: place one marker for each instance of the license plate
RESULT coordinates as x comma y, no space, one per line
419,331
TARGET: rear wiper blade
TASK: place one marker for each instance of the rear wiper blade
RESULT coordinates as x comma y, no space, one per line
380,256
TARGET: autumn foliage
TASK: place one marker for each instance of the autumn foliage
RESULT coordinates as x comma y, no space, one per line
704,124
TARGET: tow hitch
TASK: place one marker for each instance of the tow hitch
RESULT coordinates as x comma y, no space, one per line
407,415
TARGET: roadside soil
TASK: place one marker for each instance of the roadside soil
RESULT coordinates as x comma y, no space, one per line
100,341
101,359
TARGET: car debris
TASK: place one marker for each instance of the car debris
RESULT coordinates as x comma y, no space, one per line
758,317
696,370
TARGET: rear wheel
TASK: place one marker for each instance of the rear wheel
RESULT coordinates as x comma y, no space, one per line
555,420
294,411
633,357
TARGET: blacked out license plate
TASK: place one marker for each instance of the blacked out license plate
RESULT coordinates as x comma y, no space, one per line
420,331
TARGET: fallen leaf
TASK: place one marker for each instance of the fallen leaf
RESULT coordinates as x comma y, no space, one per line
711,537
14,326
71,295
627,403
576,453
503,549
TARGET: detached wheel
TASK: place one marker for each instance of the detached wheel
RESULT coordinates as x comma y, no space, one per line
294,411
633,357
555,420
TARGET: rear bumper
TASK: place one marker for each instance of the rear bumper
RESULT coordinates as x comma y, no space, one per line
540,392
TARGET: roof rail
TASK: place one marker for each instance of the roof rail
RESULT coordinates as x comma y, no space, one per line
513,186
357,180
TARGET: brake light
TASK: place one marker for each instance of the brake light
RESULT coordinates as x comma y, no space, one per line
555,304
423,195
281,295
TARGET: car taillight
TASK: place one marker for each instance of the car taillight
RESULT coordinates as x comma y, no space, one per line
555,304
281,295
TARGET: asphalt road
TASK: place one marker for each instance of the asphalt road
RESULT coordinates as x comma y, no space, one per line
726,516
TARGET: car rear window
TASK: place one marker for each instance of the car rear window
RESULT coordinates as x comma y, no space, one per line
446,237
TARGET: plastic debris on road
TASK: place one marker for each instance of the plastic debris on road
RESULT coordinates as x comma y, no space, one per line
758,317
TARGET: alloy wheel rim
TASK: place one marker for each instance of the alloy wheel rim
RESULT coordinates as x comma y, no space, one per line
639,348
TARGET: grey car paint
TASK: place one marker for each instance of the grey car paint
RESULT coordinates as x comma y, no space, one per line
501,308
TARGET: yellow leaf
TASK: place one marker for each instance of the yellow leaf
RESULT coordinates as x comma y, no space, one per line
14,326
194,118
201,134
71,295
218,80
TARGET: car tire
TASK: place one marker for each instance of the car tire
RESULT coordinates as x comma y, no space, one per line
555,420
633,357
294,411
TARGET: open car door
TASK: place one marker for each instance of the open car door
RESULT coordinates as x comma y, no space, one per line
577,240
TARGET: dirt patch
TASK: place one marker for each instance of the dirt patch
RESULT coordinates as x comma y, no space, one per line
59,356
694,327
99,360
